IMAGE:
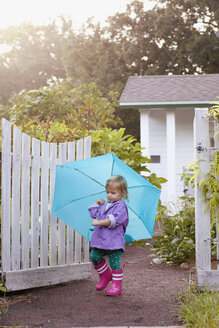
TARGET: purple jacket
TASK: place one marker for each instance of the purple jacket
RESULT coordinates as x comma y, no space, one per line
113,236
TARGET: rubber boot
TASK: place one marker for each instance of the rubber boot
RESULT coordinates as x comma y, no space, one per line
105,275
116,287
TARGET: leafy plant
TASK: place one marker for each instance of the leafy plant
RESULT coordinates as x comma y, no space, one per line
177,240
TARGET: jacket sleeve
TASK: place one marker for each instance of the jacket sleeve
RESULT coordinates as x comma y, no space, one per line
119,216
94,210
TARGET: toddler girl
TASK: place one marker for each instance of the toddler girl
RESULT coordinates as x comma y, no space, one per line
110,220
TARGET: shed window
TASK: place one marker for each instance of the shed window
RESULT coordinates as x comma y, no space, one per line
155,158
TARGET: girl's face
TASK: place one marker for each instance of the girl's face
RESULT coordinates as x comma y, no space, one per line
113,194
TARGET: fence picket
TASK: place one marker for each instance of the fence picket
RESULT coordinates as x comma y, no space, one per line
87,154
70,231
25,201
61,224
44,205
6,196
15,224
79,156
53,219
35,203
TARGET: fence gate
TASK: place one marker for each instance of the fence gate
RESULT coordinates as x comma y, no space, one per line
207,275
37,249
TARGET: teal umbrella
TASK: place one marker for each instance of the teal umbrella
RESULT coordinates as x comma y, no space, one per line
78,185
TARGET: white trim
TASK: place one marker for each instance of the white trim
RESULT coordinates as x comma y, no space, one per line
168,103
171,155
144,130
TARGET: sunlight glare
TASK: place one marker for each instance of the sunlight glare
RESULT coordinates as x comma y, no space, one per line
14,12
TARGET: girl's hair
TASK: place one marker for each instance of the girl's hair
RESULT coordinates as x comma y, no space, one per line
118,182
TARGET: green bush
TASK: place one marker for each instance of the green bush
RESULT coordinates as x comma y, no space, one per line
177,240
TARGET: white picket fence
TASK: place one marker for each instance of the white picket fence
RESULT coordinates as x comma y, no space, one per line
207,276
37,249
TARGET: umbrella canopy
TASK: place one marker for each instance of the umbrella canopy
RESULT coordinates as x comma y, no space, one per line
79,184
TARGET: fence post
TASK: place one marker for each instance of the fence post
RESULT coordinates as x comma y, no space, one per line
202,215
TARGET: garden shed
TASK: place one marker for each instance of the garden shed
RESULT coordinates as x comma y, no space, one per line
167,105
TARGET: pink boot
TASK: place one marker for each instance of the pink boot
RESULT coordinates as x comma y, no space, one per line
105,275
116,287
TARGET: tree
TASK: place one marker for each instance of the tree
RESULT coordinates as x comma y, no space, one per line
91,57
169,38
197,49
35,56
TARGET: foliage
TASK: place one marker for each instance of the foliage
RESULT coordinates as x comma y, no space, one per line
176,243
91,109
60,101
80,111
214,112
199,309
39,104
50,131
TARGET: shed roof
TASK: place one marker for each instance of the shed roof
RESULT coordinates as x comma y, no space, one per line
170,91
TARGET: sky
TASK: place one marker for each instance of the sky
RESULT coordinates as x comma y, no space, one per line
14,12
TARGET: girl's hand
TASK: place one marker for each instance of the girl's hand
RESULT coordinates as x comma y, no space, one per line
95,222
104,223
100,201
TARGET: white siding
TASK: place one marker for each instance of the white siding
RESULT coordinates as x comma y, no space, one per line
184,145
157,145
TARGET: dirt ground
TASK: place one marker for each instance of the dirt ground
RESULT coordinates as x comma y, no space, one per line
150,298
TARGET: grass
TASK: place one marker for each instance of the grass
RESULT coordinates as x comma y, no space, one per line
199,309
